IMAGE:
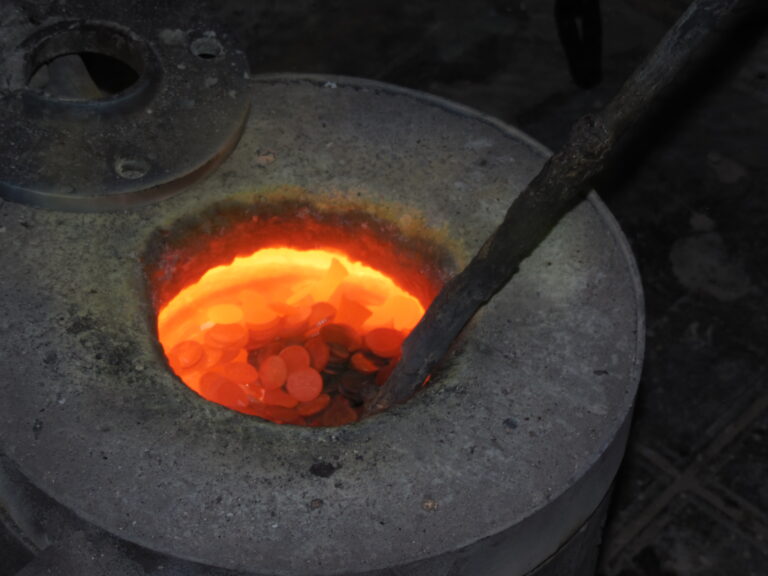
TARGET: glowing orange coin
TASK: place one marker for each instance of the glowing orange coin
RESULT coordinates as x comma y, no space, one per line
271,349
318,352
296,357
227,335
259,338
277,414
186,354
272,372
295,322
222,390
314,406
240,372
228,354
361,362
384,342
305,385
279,397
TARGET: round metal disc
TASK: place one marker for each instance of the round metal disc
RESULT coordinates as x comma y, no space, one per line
74,141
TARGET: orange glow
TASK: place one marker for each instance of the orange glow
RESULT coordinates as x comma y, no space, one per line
292,336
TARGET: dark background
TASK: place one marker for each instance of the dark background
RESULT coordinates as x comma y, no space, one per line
691,195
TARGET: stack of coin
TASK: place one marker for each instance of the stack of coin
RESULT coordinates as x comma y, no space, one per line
308,351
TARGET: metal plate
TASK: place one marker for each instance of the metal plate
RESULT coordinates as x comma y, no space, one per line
84,151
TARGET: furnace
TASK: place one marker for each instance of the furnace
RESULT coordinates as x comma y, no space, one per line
502,464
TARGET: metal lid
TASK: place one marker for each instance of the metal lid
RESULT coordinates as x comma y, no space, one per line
74,146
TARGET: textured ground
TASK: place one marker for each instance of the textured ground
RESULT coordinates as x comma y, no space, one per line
692,498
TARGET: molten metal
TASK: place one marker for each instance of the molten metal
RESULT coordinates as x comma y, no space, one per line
293,336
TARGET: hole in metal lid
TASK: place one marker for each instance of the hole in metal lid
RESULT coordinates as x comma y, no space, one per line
206,48
131,168
83,76
84,62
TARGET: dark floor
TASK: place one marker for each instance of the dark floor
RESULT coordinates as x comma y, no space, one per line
692,497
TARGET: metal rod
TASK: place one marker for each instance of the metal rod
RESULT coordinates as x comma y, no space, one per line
563,181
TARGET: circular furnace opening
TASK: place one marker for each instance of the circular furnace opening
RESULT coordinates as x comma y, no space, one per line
299,320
